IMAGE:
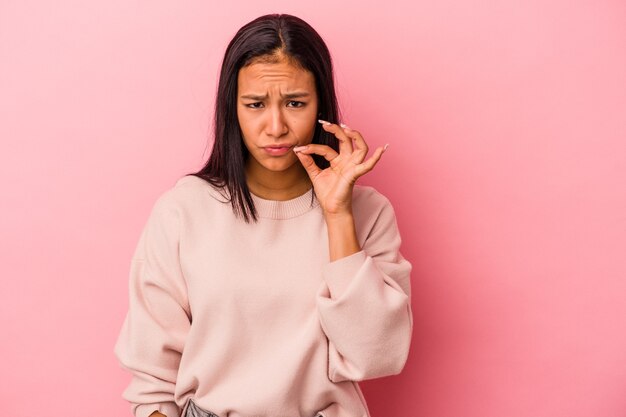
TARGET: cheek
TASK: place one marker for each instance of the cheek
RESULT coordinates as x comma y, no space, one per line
246,124
242,119
306,122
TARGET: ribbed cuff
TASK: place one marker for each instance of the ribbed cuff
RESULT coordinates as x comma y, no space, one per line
169,409
339,273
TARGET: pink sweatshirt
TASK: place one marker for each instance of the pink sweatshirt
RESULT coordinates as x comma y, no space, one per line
253,320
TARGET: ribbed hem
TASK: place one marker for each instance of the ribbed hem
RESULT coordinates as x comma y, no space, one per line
285,209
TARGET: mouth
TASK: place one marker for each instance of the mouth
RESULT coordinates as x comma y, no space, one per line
277,150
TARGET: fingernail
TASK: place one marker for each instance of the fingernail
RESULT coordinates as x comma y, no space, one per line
344,126
299,148
385,148
324,122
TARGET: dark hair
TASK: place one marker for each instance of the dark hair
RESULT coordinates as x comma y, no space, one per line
265,39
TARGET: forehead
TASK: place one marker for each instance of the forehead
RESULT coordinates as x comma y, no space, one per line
259,76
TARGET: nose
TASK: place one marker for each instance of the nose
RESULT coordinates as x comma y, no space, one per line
276,125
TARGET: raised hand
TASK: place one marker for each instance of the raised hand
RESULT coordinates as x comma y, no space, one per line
333,185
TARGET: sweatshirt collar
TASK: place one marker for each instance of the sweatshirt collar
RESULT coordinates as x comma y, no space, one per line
285,209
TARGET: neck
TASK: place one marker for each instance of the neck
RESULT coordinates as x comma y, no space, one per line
277,185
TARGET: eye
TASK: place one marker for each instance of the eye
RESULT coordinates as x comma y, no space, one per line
298,103
253,105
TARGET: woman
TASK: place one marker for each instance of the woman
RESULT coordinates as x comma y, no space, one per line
268,283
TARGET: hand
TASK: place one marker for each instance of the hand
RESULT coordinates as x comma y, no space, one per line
333,185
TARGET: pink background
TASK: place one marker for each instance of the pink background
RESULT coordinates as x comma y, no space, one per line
506,166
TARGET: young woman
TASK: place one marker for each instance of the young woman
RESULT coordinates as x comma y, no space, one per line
268,283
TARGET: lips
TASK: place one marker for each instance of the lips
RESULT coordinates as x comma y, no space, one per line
277,150
280,145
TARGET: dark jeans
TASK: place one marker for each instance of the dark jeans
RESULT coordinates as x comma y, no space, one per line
194,411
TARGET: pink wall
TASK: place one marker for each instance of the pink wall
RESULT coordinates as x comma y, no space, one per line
507,168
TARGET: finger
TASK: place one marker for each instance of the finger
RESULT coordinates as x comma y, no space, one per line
360,147
345,143
326,151
309,165
368,165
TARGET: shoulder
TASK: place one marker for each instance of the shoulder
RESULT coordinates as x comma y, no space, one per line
375,220
191,184
189,189
367,199
372,210
188,195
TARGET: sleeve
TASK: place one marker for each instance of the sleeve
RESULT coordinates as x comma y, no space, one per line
365,306
153,334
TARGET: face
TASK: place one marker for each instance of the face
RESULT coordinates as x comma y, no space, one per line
276,109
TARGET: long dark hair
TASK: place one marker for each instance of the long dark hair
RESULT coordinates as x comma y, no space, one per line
262,39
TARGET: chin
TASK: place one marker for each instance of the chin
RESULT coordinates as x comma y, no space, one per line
278,166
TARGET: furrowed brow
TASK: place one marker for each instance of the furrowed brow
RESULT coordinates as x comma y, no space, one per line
254,97
297,94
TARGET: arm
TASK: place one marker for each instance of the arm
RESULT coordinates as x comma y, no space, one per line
365,308
153,335
342,239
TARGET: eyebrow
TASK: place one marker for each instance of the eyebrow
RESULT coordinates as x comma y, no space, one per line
296,94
